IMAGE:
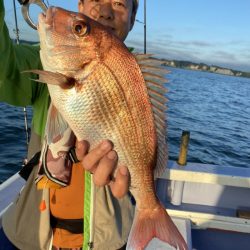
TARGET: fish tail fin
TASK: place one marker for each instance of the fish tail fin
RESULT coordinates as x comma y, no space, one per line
154,223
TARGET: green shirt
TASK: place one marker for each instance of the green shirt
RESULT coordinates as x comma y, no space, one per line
17,88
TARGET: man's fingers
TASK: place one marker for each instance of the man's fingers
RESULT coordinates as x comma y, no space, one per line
91,160
105,168
102,161
82,148
120,186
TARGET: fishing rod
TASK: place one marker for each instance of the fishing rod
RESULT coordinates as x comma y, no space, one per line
145,27
16,31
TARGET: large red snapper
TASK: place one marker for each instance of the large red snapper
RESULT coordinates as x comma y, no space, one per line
98,88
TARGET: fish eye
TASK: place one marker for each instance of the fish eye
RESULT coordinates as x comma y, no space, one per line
80,28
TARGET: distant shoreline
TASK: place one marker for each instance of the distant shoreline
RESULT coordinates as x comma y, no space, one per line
204,67
191,66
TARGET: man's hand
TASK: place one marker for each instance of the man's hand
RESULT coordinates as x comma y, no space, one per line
101,162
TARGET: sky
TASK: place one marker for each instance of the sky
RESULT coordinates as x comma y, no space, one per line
203,31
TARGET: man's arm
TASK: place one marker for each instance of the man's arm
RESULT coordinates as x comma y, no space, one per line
16,88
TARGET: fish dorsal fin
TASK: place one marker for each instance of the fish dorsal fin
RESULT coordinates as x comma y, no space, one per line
154,76
56,125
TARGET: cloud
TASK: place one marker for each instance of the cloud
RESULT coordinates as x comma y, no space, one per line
198,44
196,51
224,55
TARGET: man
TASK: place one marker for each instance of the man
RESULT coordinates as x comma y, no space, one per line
24,225
61,220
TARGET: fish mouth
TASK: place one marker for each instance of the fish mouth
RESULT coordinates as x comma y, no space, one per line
48,17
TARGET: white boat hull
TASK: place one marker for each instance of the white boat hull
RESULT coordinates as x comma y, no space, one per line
200,198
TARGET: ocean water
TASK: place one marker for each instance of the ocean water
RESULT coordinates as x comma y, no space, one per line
13,146
214,108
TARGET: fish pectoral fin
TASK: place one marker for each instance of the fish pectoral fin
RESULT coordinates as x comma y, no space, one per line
53,78
56,125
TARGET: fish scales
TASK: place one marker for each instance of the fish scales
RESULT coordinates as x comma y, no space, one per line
109,98
138,104
136,92
133,84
